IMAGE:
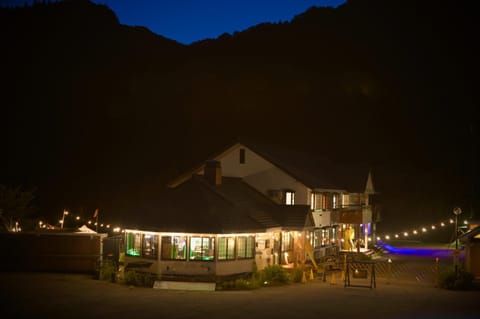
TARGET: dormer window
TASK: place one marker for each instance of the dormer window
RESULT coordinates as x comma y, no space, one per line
289,198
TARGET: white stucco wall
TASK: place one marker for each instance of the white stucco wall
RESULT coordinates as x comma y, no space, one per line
261,174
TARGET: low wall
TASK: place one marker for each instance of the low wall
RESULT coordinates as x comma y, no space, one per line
51,252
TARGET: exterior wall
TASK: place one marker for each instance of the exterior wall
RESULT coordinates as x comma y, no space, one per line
265,254
276,179
232,167
322,218
261,174
56,252
472,261
225,268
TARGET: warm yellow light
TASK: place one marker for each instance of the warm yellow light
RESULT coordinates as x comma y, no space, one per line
116,229
415,232
387,237
89,222
95,224
405,234
424,229
65,212
451,221
101,225
378,238
369,238
396,235
465,222
60,221
77,218
433,227
442,224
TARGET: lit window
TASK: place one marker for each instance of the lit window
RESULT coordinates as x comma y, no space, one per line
289,198
287,241
202,248
312,201
226,248
133,244
174,247
324,201
245,247
150,246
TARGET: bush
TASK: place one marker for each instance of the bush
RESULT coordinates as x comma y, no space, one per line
140,279
239,284
297,274
108,271
462,280
274,275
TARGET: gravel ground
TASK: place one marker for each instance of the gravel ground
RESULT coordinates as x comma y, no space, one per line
45,295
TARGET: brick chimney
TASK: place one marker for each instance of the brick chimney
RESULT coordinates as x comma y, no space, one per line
213,172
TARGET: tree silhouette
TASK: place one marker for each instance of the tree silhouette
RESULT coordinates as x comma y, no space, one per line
15,204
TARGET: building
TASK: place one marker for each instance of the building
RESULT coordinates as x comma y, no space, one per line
252,205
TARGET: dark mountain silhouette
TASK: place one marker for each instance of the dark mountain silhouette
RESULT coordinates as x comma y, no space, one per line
101,114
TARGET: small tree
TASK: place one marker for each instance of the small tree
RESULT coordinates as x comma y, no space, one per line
15,204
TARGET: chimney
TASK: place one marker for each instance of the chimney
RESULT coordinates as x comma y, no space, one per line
213,172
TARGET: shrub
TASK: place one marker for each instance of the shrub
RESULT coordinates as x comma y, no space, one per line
462,280
140,279
274,275
297,274
108,271
239,284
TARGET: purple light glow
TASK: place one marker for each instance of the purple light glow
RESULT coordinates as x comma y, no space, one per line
420,252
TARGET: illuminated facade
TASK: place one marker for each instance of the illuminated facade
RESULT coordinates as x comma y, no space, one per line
245,207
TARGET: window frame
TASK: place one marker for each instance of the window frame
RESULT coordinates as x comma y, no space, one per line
202,256
153,239
172,243
230,253
136,242
249,251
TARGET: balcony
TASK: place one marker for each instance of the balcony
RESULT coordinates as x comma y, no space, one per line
352,215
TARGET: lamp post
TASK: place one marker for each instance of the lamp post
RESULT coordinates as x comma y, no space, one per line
456,211
63,218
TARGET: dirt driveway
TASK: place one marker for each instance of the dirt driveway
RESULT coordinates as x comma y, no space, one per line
41,295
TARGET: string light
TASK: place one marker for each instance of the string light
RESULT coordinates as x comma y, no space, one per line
415,231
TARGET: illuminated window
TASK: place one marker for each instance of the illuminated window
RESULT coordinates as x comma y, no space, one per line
226,248
133,245
174,247
335,200
315,201
324,201
202,248
289,198
150,246
287,241
242,156
345,200
245,247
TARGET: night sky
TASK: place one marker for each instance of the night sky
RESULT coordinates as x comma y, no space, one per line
188,21
102,115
